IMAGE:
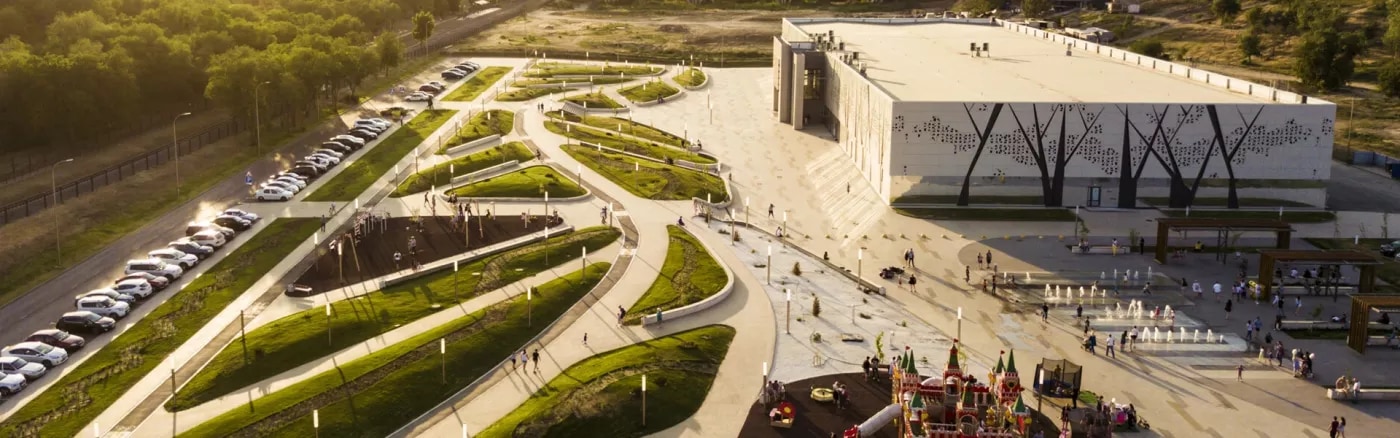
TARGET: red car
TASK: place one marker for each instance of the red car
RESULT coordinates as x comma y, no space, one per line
58,338
157,282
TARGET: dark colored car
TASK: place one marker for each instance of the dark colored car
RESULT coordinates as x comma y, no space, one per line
363,134
306,171
85,322
337,147
157,282
453,75
188,247
347,143
234,223
430,89
59,338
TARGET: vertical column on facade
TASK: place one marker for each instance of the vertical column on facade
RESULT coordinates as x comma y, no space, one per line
798,68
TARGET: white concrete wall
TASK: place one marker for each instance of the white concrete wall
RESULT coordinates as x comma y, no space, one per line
864,112
934,143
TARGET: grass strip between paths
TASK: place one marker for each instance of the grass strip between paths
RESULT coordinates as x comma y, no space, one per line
478,84
598,397
524,94
593,100
530,182
482,124
648,92
608,139
690,274
378,393
362,172
1288,216
691,77
83,393
441,175
623,126
990,214
550,69
601,80
649,179
299,338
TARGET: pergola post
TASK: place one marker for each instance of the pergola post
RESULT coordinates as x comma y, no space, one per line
1358,333
1163,231
1367,283
1284,236
1266,274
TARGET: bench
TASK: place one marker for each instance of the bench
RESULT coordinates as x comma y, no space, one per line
1290,290
1095,249
1366,394
1297,324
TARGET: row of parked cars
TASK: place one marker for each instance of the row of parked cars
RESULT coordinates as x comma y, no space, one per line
97,311
427,91
285,184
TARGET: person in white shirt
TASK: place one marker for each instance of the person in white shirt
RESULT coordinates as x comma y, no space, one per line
1196,287
1217,291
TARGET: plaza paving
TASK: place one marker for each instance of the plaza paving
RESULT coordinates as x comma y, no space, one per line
1185,390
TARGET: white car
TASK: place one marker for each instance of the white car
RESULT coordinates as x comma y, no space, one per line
418,96
328,158
104,306
135,287
329,152
11,384
299,184
253,217
15,365
107,293
370,125
209,238
297,177
38,352
272,194
376,121
281,185
350,138
176,257
159,267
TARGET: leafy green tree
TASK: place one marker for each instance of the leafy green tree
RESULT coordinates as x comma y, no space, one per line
1390,78
976,7
1250,46
1035,8
1326,59
1392,31
423,26
1148,47
390,49
1225,10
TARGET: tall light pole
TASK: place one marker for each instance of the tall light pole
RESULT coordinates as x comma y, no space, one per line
257,117
959,322
783,237
442,348
789,316
175,138
316,421
644,399
529,306
53,183
860,257
329,341
770,264
747,224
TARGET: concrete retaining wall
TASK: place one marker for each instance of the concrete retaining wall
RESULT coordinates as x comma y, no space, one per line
464,148
698,306
487,172
409,274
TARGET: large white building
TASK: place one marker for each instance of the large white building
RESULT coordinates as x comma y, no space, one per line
976,108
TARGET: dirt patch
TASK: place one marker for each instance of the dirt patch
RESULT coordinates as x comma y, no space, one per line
434,237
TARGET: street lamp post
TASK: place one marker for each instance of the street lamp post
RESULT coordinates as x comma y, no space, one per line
860,260
175,138
769,266
747,224
783,236
529,307
316,421
329,340
53,183
257,115
960,323
442,348
644,399
789,314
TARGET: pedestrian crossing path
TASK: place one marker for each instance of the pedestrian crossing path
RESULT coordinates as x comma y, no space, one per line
845,197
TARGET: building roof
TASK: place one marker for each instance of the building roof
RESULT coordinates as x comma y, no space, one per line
931,61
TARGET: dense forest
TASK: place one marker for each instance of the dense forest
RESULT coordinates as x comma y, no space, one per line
73,70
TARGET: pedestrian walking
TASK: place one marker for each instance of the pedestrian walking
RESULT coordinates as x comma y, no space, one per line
912,281
1045,312
323,223
1086,326
1299,306
967,273
585,339
1229,305
1249,330
536,357
1239,373
524,359
979,260
1332,430
865,368
1108,348
1217,291
1196,287
989,257
1132,339
620,314
1078,312
1342,426
770,211
1147,288
512,362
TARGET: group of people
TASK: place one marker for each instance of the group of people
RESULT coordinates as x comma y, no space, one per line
838,394
1349,387
773,392
871,367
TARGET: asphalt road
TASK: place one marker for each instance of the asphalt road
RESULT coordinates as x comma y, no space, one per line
1356,189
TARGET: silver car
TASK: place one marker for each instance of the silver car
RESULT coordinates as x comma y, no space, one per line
15,365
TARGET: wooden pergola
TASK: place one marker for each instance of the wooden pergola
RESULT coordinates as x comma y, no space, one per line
1364,261
1361,305
1222,228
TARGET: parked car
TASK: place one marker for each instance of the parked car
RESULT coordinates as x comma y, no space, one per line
11,384
186,246
473,64
333,146
385,123
329,152
365,134
195,227
85,322
317,160
67,341
298,183
1390,249
175,257
30,370
453,74
430,89
106,293
333,160
156,267
137,288
39,352
419,96
350,138
237,223
440,86
370,125
320,166
250,217
273,194
306,171
104,306
302,178
157,282
210,238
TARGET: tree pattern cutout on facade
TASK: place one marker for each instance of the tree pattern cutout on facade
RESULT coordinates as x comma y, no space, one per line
1158,140
961,141
1049,147
1249,139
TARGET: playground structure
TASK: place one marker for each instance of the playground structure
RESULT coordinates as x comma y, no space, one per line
956,405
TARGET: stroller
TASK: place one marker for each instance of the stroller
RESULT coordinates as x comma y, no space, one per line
891,272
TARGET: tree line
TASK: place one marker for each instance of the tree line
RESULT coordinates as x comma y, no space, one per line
73,70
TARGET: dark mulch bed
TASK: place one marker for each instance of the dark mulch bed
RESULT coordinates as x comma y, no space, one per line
819,420
436,239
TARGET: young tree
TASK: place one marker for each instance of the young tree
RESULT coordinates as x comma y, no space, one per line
1390,79
1225,10
1035,8
976,7
1326,59
1392,32
1148,47
423,25
390,49
1250,46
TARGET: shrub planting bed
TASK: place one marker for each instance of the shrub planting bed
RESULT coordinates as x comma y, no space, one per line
649,179
530,182
690,274
441,175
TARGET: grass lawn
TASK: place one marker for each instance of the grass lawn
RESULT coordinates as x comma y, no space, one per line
1288,216
608,139
601,80
378,393
105,376
648,92
689,274
362,172
691,77
550,69
524,94
599,396
972,200
593,100
441,175
1388,271
990,214
624,126
1221,202
491,122
649,179
530,182
299,338
482,81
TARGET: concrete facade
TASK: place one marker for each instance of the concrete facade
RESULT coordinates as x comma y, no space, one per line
1006,126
